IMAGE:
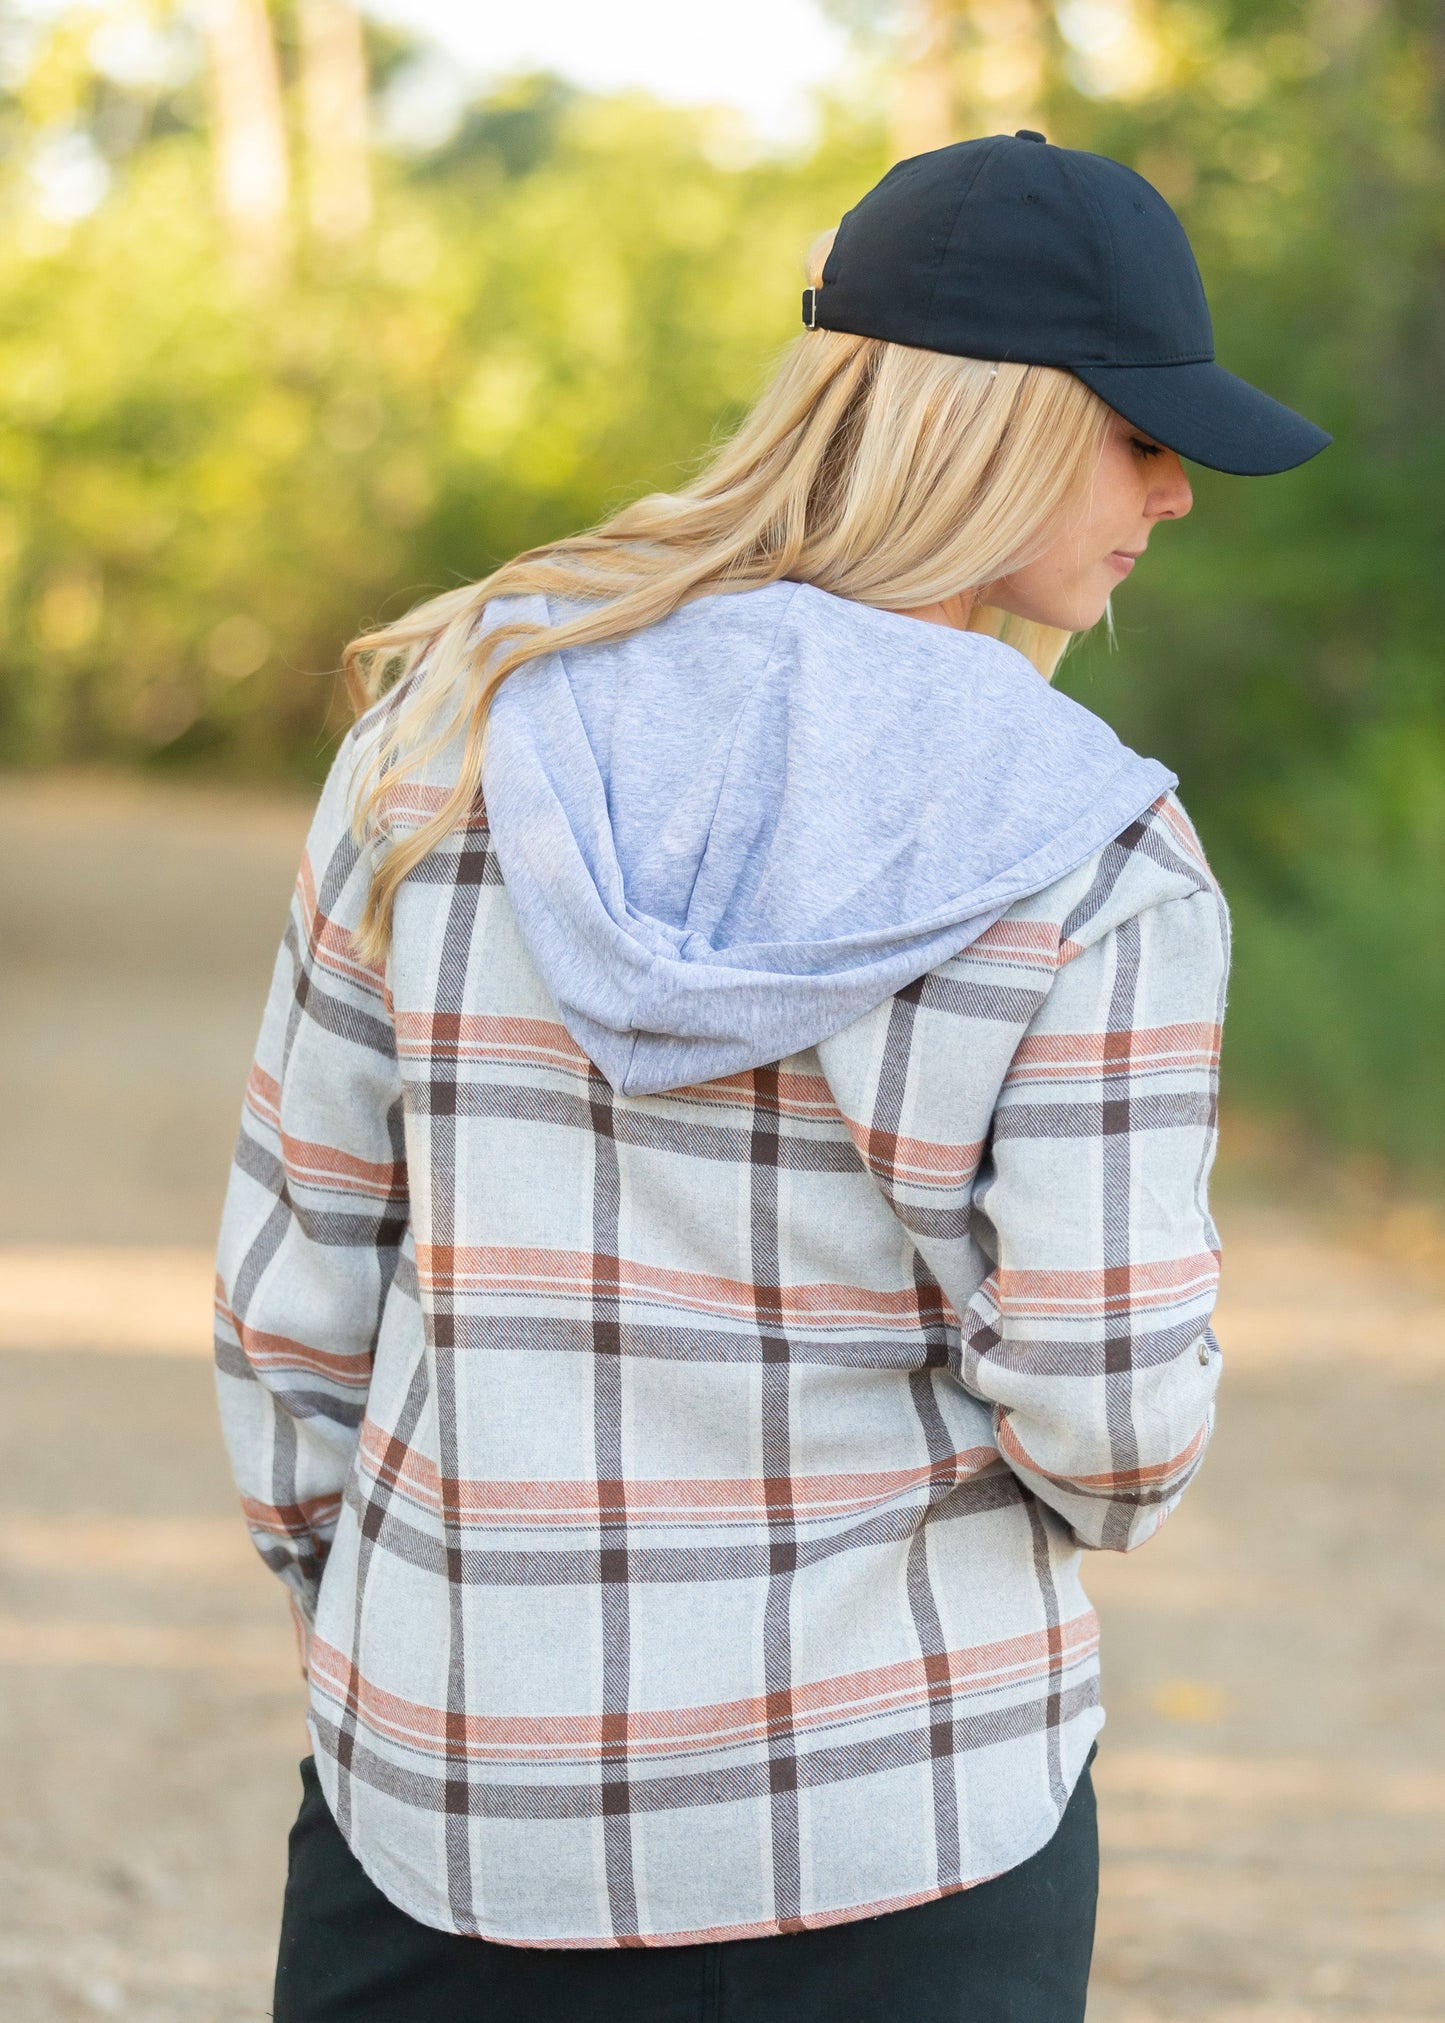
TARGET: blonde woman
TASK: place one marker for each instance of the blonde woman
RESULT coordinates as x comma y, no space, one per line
719,1225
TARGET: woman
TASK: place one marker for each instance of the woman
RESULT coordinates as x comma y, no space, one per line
719,1224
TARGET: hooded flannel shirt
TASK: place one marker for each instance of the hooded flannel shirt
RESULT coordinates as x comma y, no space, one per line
682,1496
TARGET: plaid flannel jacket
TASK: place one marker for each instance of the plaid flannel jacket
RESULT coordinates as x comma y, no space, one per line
682,1496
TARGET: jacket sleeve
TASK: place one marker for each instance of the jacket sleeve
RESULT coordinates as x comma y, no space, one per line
1089,1336
315,1215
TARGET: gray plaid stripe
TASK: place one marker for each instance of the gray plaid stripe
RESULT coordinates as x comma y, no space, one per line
448,866
1188,1110
963,997
1116,1234
1088,1357
814,1769
1054,1698
372,1528
373,1229
677,1342
777,1453
458,948
942,1502
1113,862
927,1623
1156,843
332,1014
651,1129
612,1569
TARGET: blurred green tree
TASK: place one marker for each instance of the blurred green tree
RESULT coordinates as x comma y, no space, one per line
1283,651
212,472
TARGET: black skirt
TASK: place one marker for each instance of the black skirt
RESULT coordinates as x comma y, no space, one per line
1013,1950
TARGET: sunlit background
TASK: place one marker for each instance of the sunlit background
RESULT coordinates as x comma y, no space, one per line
307,311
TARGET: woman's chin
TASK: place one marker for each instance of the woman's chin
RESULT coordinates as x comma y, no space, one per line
1089,610
1082,610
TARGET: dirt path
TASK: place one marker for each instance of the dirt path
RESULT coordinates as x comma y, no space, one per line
1272,1779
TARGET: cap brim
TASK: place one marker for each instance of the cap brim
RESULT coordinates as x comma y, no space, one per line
1208,415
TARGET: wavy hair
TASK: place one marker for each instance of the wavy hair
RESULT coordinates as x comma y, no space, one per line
892,476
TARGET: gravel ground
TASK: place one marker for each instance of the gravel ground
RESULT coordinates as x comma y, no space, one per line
1272,1779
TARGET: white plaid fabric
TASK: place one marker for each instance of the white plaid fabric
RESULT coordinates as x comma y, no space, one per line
682,1496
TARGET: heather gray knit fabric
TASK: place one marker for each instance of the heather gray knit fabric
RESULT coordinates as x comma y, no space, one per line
731,834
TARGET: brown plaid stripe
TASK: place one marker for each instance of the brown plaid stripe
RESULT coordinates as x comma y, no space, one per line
684,1495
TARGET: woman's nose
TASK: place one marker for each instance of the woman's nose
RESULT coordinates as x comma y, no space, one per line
1172,496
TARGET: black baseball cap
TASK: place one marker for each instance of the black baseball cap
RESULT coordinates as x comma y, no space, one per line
1009,248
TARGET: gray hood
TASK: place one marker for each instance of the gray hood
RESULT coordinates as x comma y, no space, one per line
730,835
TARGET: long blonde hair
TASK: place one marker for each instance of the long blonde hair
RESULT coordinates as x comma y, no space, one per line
888,475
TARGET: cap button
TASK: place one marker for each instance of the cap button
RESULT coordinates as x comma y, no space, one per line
1027,133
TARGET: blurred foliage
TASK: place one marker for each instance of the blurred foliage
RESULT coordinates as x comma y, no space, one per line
206,487
1282,650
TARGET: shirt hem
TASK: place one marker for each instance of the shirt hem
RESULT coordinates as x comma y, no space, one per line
765,1928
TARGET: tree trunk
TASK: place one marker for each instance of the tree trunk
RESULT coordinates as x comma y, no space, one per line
333,92
252,175
970,67
925,111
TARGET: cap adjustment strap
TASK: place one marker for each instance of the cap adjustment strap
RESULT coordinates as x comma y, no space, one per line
810,307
